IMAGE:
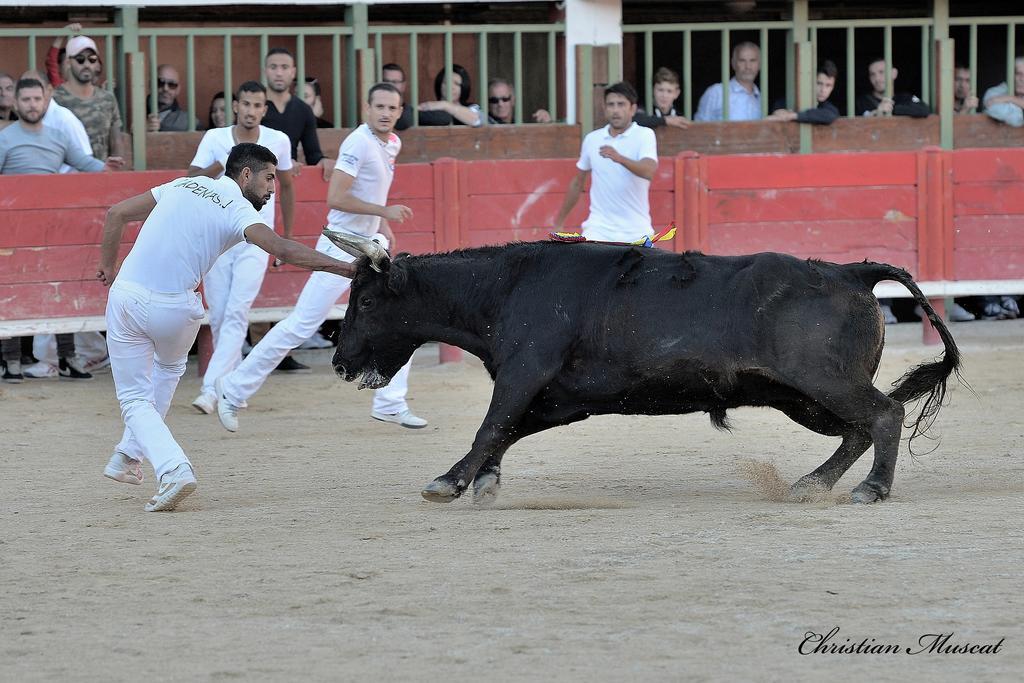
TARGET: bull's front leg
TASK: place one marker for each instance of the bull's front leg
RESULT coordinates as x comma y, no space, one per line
505,423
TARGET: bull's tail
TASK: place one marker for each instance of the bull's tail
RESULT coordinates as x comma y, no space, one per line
927,380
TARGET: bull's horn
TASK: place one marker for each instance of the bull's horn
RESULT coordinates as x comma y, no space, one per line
359,246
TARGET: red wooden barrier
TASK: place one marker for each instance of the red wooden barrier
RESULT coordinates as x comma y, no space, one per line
948,217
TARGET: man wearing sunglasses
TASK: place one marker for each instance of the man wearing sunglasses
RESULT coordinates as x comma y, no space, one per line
95,107
501,104
170,116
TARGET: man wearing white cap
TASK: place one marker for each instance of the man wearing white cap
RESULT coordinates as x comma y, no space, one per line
95,107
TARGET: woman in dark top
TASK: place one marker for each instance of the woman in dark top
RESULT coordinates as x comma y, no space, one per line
454,109
311,96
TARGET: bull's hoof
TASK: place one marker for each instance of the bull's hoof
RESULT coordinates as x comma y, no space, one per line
485,488
869,492
807,489
440,491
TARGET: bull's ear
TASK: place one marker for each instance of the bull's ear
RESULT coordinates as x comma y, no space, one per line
398,276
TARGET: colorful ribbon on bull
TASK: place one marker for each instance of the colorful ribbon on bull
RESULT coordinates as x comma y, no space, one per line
647,242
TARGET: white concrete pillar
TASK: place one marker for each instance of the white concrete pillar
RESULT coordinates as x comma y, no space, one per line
588,22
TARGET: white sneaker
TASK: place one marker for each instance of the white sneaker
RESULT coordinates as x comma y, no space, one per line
959,314
317,341
227,412
890,318
205,403
40,370
97,364
123,469
404,418
175,486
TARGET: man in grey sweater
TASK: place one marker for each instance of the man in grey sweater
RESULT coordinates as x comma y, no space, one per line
29,147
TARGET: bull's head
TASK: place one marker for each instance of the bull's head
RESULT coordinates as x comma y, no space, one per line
378,335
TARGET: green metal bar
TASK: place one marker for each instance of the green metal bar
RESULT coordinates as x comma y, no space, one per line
32,63
869,23
190,91
108,61
1011,33
888,61
614,63
687,75
229,115
378,51
927,82
127,19
138,126
706,26
851,79
648,71
972,58
945,88
726,58
552,76
517,71
586,68
154,62
791,69
413,88
300,65
264,49
467,29
336,78
763,74
805,89
482,67
448,89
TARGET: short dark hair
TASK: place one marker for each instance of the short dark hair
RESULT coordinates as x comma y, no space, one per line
315,83
960,66
248,155
467,84
829,68
391,66
26,83
278,51
877,59
622,88
382,87
251,86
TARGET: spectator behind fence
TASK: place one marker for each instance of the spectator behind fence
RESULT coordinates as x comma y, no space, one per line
7,109
57,57
394,74
95,107
170,117
744,95
1003,106
876,103
825,112
451,107
964,99
666,92
311,96
622,157
217,117
501,103
29,147
289,114
92,347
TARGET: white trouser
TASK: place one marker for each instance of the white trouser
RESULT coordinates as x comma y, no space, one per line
148,338
319,294
230,287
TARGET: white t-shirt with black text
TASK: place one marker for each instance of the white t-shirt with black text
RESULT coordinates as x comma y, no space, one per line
216,146
195,220
371,161
620,209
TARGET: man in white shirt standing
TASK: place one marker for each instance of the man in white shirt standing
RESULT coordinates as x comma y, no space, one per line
357,198
622,157
235,279
744,95
153,310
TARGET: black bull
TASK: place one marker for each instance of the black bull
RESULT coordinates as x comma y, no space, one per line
568,331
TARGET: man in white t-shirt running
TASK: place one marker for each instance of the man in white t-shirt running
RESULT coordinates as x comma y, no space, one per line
357,197
623,157
154,311
235,279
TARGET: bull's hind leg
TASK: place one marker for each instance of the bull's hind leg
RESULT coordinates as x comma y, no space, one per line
868,410
855,441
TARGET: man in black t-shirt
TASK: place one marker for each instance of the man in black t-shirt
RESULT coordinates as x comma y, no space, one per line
876,103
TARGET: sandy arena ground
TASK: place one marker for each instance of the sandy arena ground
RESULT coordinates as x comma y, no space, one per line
620,549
